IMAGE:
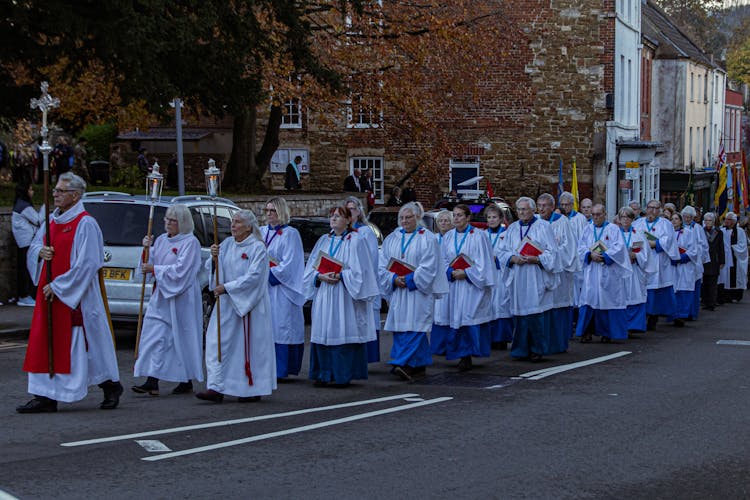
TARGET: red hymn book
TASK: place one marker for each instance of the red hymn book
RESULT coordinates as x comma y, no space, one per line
324,263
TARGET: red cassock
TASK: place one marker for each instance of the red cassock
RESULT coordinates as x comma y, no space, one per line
61,236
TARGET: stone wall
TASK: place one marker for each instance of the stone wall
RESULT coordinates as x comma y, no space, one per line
545,100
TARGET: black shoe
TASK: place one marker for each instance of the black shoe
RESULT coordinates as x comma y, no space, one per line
651,323
402,373
499,346
112,393
210,395
465,364
39,404
151,386
536,358
183,388
320,383
679,323
249,399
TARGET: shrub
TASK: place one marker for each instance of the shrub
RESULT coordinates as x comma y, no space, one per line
127,176
99,138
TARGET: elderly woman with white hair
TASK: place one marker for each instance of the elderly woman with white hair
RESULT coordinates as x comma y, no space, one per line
247,369
635,284
688,219
441,319
359,222
411,277
286,261
684,274
172,332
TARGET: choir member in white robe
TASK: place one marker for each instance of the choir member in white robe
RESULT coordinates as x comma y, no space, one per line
470,290
359,222
661,251
441,320
83,344
530,280
342,319
684,275
411,297
603,297
172,334
247,368
578,222
688,220
733,276
287,265
635,286
567,262
501,327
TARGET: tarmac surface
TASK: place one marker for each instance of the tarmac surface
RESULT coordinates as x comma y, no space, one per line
15,321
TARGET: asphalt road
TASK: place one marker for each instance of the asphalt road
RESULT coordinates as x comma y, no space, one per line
667,420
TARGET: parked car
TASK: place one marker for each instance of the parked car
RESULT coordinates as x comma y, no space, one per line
123,219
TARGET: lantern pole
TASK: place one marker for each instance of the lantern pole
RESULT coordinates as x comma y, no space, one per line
213,175
154,185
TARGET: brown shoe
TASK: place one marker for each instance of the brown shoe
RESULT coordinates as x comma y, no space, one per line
210,395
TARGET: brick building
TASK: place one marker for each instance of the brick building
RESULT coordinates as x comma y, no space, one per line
564,87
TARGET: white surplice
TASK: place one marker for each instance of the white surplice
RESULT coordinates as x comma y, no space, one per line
78,286
287,297
442,314
567,260
172,332
246,325
659,264
635,286
470,299
604,284
530,285
739,251
684,274
342,313
412,310
500,295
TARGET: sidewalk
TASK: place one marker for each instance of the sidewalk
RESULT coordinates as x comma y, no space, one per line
15,320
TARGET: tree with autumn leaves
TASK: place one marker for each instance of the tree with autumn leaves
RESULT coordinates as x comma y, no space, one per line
413,62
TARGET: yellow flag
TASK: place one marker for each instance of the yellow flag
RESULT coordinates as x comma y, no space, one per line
574,186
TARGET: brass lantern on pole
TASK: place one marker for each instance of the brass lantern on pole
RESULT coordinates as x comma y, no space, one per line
213,179
213,185
154,183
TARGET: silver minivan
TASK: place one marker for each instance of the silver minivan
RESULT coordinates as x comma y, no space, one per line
123,219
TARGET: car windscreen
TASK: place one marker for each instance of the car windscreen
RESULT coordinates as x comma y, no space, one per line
310,231
125,224
386,221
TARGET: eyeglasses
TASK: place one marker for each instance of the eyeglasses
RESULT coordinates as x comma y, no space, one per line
63,191
168,220
269,210
652,207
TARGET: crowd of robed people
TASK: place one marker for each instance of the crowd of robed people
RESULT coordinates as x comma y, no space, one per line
534,283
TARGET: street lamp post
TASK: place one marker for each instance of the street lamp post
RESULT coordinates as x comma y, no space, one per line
44,104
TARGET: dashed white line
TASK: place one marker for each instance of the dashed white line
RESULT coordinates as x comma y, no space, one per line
554,370
152,445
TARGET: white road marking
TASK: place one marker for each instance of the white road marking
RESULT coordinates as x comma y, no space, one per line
7,496
554,370
152,445
295,430
412,400
733,342
236,421
10,345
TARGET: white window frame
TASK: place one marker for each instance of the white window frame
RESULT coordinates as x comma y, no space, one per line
286,112
377,164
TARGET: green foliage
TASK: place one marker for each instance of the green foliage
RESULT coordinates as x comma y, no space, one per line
128,177
99,138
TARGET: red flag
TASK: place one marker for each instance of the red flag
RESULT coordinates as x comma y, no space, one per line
490,192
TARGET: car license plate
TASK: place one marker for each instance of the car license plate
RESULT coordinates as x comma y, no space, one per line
116,273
